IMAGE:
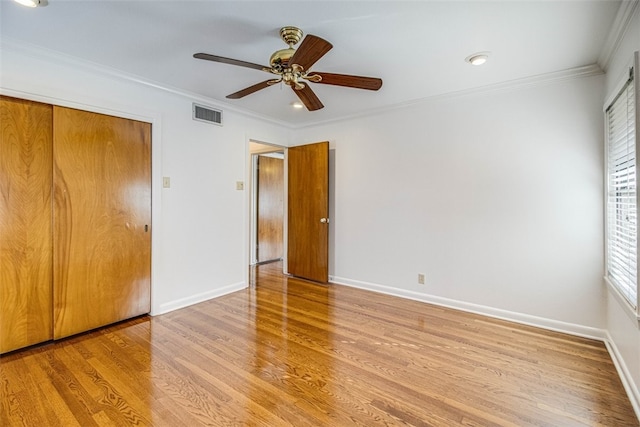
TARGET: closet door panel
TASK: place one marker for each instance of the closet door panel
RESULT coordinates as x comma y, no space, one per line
25,223
102,219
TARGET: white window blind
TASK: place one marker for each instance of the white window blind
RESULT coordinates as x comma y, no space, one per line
622,210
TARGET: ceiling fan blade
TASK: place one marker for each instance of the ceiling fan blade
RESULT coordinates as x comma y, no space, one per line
310,50
359,82
251,89
308,98
230,61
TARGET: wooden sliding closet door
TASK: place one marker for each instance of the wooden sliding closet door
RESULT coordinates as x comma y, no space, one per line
102,219
25,223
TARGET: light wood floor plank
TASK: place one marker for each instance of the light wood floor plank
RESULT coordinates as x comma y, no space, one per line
287,352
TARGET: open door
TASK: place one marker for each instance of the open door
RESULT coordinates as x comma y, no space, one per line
308,212
270,208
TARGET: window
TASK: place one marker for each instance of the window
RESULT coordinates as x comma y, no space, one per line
622,203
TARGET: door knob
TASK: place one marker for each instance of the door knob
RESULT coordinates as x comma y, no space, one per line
324,220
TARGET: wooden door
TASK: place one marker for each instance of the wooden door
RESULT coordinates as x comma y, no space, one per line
270,208
102,215
25,223
308,212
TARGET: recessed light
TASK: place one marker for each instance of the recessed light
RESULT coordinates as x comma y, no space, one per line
477,58
297,105
32,3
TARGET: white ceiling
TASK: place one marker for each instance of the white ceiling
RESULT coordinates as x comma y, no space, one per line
416,47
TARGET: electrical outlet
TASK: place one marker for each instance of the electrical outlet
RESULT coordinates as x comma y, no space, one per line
420,279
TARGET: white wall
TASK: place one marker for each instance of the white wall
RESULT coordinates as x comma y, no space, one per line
199,224
623,327
496,197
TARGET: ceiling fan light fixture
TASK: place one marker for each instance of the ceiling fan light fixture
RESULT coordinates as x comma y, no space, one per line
32,3
297,105
477,58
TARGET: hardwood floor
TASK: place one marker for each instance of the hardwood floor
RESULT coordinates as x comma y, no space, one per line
289,352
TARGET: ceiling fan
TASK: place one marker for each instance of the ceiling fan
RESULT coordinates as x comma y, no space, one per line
293,65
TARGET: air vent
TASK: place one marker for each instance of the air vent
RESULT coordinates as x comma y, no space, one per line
206,114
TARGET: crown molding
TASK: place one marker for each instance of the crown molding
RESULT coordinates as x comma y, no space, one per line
55,57
618,29
68,60
526,82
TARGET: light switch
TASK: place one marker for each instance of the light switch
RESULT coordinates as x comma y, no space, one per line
166,182
239,185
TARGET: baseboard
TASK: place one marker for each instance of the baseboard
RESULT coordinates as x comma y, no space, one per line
540,322
624,374
197,298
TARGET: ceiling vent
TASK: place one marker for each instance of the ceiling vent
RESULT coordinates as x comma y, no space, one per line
206,114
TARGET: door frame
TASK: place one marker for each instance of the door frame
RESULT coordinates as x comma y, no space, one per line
254,187
251,199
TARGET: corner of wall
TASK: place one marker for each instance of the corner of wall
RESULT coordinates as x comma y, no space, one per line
166,307
625,375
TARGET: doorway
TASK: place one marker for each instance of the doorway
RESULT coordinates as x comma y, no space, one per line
267,229
303,188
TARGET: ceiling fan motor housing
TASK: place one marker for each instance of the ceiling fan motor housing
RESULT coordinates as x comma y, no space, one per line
280,59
